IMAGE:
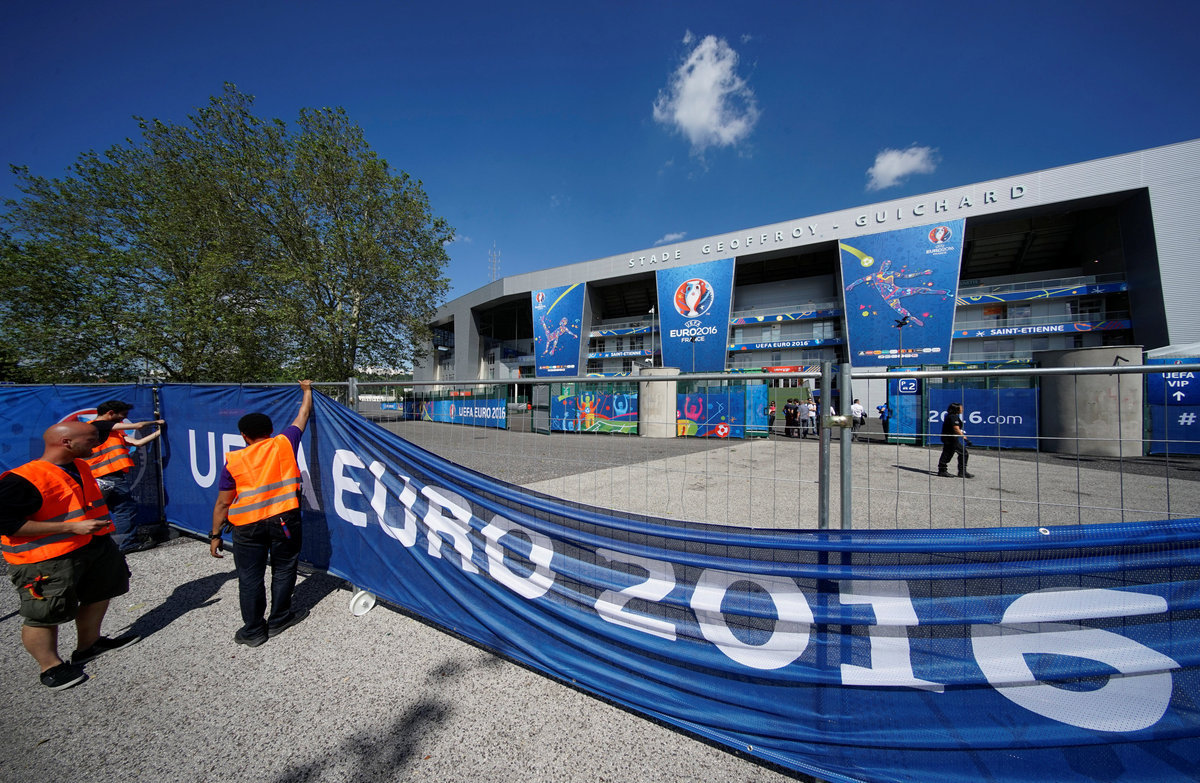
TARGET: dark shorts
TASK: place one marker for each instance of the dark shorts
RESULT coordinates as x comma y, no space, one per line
93,573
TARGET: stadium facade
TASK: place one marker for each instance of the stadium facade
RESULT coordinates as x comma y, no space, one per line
1100,253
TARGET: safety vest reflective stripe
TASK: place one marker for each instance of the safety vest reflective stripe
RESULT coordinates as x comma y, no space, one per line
53,538
244,508
112,456
63,500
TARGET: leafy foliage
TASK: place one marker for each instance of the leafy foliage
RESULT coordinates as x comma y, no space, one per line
229,248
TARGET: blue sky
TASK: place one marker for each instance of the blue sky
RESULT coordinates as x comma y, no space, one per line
563,132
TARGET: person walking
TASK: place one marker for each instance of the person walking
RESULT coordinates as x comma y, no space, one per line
111,465
885,415
803,413
54,533
771,418
954,441
259,495
859,415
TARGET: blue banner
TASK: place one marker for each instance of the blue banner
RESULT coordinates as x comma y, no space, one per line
757,402
1174,401
907,421
1071,327
1003,654
33,409
907,274
693,307
467,410
557,326
1028,294
713,412
993,418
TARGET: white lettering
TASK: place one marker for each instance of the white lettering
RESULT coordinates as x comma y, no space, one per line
453,525
989,197
861,220
789,637
541,552
778,236
659,582
965,202
343,484
919,210
733,245
813,229
1132,700
706,249
1018,191
203,479
891,656
797,232
940,206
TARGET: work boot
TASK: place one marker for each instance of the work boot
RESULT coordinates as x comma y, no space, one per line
944,473
965,474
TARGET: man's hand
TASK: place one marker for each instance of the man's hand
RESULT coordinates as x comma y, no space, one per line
214,548
85,526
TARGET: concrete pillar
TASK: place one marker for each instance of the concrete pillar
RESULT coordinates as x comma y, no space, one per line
1094,415
656,403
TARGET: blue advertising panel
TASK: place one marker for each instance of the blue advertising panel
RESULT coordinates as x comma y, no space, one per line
476,412
907,274
713,412
1072,327
757,402
557,326
693,306
992,418
1171,387
1065,653
1173,398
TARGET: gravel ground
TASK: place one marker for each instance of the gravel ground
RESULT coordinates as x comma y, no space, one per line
380,697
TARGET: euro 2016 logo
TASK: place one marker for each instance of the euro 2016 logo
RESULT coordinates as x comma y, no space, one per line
939,234
693,298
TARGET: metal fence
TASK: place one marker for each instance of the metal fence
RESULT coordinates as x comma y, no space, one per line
1099,450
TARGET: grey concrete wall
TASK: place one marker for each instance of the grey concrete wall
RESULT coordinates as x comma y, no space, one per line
656,404
1094,415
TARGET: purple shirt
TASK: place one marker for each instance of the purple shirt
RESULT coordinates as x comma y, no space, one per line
292,433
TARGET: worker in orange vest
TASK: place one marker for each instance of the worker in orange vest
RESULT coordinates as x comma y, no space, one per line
259,495
54,530
111,464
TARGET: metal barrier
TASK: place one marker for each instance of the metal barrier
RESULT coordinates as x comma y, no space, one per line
1077,467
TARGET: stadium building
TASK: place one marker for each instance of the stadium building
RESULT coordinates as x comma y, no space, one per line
1100,253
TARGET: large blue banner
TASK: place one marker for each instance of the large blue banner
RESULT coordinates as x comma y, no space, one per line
993,418
557,326
910,275
693,307
1005,654
712,412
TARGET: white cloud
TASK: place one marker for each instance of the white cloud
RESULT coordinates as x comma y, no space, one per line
668,238
706,100
893,166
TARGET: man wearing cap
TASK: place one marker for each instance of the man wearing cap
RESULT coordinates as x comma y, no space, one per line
259,495
111,464
54,530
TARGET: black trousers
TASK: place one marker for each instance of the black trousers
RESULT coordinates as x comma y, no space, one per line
955,446
274,540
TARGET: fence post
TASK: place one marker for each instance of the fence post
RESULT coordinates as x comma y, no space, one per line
823,473
847,437
352,394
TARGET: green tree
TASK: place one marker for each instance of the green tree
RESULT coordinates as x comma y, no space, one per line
227,248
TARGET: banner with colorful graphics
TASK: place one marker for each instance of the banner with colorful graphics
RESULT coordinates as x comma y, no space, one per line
593,411
557,330
908,276
693,306
713,412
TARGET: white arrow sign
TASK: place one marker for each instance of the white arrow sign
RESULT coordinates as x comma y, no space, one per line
1178,395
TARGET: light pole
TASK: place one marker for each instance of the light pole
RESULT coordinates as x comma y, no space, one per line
652,331
900,324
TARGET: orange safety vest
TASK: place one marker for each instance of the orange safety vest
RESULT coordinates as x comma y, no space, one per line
112,456
267,478
63,500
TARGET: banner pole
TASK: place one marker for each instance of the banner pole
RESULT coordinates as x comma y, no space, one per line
823,473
